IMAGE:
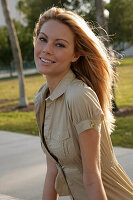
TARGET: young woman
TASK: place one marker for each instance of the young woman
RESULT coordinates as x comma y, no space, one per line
73,111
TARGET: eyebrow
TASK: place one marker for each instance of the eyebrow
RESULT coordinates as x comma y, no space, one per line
56,39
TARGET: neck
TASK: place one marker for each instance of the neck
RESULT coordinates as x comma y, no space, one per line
53,81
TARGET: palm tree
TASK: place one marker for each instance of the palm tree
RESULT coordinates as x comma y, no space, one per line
23,102
102,21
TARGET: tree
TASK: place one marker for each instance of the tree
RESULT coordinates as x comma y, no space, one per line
25,37
16,53
121,21
25,41
85,8
5,49
33,8
102,22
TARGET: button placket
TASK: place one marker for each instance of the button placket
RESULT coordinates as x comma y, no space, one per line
47,120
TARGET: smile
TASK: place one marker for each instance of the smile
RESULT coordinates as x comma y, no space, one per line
46,61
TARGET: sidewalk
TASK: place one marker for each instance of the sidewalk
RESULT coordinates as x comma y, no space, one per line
5,197
14,74
23,166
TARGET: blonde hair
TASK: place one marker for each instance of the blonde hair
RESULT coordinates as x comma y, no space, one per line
94,65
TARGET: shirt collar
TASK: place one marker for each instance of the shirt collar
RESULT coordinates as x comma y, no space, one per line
62,85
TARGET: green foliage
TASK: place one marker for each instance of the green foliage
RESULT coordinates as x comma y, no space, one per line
5,48
85,8
33,9
25,40
121,21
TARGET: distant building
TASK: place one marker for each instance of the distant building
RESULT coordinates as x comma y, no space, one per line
127,49
128,52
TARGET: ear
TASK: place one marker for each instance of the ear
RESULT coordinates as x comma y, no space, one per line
75,57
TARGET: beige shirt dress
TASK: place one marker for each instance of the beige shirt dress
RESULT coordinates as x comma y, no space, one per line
72,108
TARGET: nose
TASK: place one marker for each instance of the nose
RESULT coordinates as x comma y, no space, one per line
48,48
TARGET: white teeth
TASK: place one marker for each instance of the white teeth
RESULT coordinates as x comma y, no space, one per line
46,61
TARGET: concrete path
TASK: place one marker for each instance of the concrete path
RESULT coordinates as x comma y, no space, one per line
23,166
14,74
5,197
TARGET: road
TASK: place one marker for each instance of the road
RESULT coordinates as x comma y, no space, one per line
23,165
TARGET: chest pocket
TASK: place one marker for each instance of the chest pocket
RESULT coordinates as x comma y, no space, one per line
57,132
56,120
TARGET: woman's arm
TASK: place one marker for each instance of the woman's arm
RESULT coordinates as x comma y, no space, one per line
49,192
89,141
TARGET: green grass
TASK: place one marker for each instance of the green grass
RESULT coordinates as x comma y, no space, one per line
21,122
124,89
123,134
9,88
127,61
24,122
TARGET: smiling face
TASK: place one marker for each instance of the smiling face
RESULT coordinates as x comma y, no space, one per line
54,49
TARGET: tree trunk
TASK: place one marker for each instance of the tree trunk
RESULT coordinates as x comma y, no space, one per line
104,34
23,102
10,70
102,22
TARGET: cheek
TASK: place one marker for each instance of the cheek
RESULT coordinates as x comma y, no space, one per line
65,55
36,54
35,50
37,47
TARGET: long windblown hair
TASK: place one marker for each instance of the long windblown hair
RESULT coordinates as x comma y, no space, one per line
94,66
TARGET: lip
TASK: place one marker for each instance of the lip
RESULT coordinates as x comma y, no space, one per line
47,59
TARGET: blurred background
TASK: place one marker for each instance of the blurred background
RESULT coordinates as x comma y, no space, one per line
19,81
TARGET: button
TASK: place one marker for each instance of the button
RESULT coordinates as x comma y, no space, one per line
58,137
92,123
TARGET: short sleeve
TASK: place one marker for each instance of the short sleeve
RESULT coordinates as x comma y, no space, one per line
85,109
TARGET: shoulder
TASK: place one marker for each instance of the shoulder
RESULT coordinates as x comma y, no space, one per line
41,90
79,90
84,107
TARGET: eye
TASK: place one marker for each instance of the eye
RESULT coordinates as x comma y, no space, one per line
42,39
60,45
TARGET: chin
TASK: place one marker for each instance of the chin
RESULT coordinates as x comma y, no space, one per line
42,71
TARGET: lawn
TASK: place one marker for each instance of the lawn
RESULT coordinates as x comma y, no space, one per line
9,89
21,122
123,134
24,122
127,61
124,89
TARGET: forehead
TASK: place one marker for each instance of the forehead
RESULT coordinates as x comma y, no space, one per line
54,28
